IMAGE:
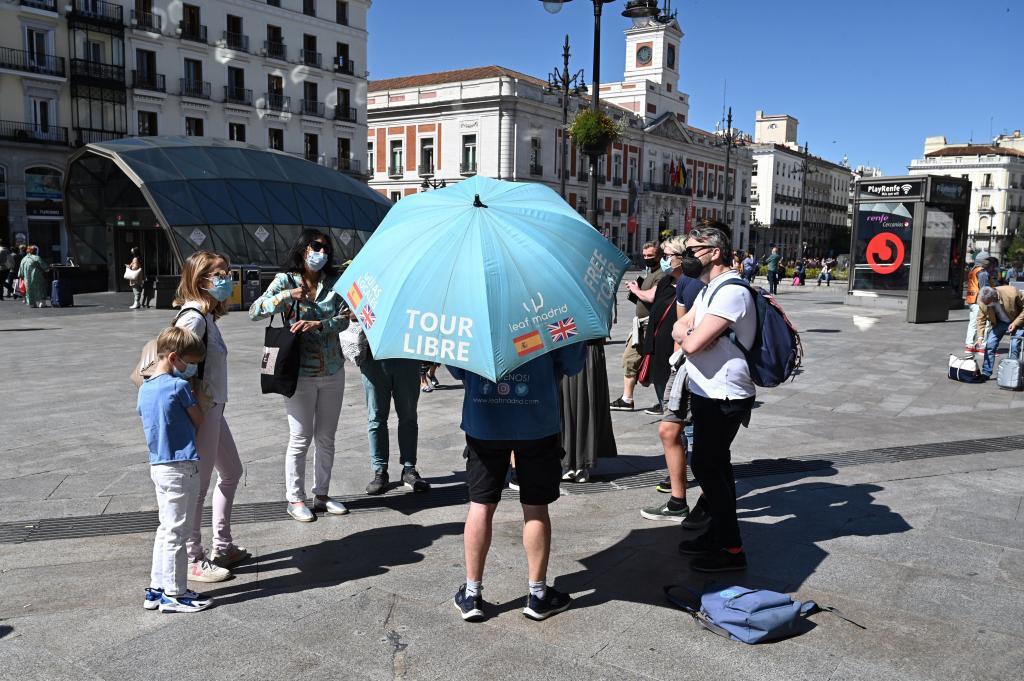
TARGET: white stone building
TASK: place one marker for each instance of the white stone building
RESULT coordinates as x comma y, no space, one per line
778,184
285,74
507,125
996,172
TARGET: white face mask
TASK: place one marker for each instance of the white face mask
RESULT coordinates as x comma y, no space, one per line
316,260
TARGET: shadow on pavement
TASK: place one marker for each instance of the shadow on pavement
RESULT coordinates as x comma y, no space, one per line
5,630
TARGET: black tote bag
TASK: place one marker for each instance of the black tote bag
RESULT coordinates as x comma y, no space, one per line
279,369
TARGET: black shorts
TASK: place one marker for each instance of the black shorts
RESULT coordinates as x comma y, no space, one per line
538,467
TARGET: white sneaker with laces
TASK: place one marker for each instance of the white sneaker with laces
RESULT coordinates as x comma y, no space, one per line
301,513
203,570
329,505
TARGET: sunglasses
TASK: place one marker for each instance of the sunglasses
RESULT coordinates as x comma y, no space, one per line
320,246
691,251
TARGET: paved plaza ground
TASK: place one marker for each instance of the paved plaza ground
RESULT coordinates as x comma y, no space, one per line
871,483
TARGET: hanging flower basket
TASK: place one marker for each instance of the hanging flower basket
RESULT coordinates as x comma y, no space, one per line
594,131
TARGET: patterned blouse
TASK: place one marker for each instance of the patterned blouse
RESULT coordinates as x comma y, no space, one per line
321,351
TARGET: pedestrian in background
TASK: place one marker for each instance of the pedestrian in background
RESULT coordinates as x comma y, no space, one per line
32,272
641,292
303,294
1003,308
6,264
772,265
658,343
135,275
202,295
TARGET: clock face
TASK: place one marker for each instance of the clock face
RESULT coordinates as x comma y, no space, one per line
643,55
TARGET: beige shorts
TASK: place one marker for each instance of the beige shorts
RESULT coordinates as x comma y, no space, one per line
631,356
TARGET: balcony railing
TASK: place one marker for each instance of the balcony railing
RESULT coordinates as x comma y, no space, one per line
616,181
190,31
396,171
425,170
345,113
311,58
31,62
616,212
237,95
98,11
194,88
147,21
276,102
988,210
346,66
600,179
149,81
28,132
311,107
349,165
90,135
83,68
583,175
235,41
536,169
49,5
275,50
467,168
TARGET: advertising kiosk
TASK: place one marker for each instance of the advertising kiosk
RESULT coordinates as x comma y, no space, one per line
909,242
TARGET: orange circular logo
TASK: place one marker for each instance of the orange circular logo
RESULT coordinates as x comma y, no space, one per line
885,253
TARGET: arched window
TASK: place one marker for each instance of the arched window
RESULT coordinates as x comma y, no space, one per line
43,184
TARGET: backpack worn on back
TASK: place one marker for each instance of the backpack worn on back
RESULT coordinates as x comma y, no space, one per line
751,615
143,369
777,351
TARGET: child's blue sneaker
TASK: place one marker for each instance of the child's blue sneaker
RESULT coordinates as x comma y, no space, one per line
153,597
189,601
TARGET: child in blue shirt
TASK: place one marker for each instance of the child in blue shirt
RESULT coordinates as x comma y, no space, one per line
521,413
170,418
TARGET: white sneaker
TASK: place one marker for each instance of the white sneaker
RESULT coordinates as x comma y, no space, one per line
203,570
569,476
134,306
583,475
329,506
301,513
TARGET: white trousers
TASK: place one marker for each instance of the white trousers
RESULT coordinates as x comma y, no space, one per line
177,488
972,326
313,413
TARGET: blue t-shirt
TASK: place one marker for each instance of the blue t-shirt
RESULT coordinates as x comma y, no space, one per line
687,290
525,404
163,401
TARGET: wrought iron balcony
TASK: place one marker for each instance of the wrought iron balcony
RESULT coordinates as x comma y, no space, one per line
194,88
616,212
90,135
192,31
275,50
346,66
311,58
94,70
536,169
237,95
583,175
425,170
274,101
235,41
600,179
155,82
616,181
311,107
467,168
345,113
147,21
31,62
349,165
98,12
16,131
396,171
988,210
48,5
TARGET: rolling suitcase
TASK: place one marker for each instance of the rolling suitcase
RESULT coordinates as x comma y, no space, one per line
61,294
1010,374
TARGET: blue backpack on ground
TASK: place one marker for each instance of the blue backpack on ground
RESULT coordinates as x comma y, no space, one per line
777,352
751,615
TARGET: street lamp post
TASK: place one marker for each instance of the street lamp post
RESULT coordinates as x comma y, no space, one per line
804,169
565,85
432,184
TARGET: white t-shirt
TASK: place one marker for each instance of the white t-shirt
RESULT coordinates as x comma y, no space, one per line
215,373
720,370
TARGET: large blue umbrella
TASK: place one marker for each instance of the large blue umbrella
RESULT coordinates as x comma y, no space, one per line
484,275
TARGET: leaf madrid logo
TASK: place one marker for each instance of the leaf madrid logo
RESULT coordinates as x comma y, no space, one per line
355,296
368,317
527,343
562,330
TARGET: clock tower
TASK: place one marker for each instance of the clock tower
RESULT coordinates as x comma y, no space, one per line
652,51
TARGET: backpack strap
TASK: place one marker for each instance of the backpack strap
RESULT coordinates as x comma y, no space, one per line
810,607
731,334
698,616
201,369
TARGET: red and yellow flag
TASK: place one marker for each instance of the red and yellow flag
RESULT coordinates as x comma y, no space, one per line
527,343
355,296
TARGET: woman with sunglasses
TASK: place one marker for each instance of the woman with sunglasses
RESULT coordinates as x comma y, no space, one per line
304,295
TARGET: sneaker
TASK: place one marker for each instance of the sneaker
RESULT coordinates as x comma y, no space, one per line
513,481
621,405
434,382
229,556
655,410
554,602
427,388
663,513
301,513
720,561
569,476
470,607
203,570
379,484
665,486
583,475
412,480
698,545
698,519
189,601
329,505
153,598
134,306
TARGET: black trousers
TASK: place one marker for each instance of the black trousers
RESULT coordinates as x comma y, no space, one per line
773,282
715,424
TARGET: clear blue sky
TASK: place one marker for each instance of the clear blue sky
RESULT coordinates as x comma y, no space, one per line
867,78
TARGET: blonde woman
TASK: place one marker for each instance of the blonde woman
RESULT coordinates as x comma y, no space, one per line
203,292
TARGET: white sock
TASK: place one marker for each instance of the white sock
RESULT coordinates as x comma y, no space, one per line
474,588
538,589
627,400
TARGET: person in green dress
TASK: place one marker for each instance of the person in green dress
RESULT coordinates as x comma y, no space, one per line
33,272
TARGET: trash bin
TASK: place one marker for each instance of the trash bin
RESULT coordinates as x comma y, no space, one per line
165,286
235,301
252,286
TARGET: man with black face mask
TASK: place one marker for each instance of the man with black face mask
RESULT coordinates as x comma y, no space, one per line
722,392
641,293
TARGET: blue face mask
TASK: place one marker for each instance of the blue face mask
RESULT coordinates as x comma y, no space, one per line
316,260
666,265
189,371
222,288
